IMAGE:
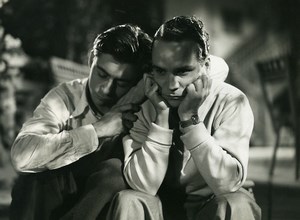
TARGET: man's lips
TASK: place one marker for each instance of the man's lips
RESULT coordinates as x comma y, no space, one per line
173,97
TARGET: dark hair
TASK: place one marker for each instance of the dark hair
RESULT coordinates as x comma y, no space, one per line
126,43
185,28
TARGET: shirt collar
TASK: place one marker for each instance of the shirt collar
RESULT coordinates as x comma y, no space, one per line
83,104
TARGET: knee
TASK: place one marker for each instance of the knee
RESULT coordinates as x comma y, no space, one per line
237,204
136,202
126,197
236,200
135,199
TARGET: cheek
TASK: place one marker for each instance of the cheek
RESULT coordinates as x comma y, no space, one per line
160,80
185,81
94,86
96,82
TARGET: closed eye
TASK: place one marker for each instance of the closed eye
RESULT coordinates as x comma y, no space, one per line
101,72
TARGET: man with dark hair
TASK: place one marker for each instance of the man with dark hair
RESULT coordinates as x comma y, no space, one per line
73,137
186,156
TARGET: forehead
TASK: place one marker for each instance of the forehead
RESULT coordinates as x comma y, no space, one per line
115,68
174,53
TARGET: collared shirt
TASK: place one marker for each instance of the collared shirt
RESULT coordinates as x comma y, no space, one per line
60,131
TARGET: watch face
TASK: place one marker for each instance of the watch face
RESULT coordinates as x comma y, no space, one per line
195,119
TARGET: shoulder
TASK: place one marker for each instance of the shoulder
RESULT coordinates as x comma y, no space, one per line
67,92
230,99
231,108
230,93
71,88
74,86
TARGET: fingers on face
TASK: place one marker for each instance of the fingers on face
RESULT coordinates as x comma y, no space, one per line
198,83
148,81
150,87
200,87
191,88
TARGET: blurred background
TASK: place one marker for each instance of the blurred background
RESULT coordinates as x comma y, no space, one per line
45,42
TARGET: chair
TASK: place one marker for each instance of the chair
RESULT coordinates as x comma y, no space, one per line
67,70
279,95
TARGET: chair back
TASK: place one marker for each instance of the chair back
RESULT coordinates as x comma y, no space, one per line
67,70
278,91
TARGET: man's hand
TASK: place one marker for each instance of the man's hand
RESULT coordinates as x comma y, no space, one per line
118,120
197,92
161,108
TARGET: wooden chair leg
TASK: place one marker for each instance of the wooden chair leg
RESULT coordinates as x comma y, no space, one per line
271,174
273,160
270,199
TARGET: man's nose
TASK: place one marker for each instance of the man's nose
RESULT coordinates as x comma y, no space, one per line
108,87
173,82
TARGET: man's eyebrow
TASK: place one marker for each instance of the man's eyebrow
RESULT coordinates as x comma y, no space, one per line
157,67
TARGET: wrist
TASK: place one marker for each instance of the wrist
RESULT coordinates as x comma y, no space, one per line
186,116
193,120
162,118
99,128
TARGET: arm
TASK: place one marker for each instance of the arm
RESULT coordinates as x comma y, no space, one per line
44,141
147,148
222,157
146,152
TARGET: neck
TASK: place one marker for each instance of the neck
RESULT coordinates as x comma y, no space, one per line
96,109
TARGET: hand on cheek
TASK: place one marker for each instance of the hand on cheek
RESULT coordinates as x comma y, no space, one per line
161,108
196,93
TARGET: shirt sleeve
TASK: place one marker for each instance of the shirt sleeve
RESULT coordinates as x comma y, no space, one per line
146,153
221,156
44,142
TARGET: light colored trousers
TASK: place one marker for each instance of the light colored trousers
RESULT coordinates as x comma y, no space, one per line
240,205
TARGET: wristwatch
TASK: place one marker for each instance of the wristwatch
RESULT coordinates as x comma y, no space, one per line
192,121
